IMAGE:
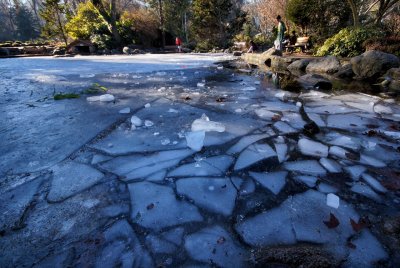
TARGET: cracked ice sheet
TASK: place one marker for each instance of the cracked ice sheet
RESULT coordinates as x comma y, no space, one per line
301,219
350,122
168,126
137,167
212,166
155,206
273,181
216,195
253,154
215,245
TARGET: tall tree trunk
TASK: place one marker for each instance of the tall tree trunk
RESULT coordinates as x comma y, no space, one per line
354,12
111,19
61,28
160,9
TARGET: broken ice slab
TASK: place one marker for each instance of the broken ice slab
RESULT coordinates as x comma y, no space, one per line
332,200
269,228
326,188
308,167
159,246
157,176
102,98
281,151
212,166
392,134
204,124
70,178
245,142
273,181
123,248
374,183
126,110
350,122
248,88
136,121
247,187
293,119
216,195
140,167
355,171
368,251
253,154
266,114
338,139
214,245
381,109
340,153
195,140
317,119
284,128
366,191
331,165
330,109
310,181
370,161
280,106
312,148
155,206
365,106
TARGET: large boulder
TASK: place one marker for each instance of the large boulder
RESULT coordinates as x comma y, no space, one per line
315,81
278,63
373,64
272,52
345,72
393,79
329,65
299,66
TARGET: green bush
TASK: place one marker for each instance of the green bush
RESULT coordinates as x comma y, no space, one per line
349,42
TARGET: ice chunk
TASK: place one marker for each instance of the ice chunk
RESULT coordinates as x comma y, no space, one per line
375,184
330,165
338,152
381,109
392,134
158,245
312,148
309,167
349,122
335,110
148,123
270,228
87,75
201,84
317,119
93,98
293,119
195,140
365,106
156,207
281,151
204,124
147,105
368,160
215,245
140,167
248,88
310,181
333,200
343,141
253,154
212,166
368,251
136,121
71,178
365,190
326,188
264,113
165,141
107,98
355,171
284,128
213,194
273,181
126,110
245,142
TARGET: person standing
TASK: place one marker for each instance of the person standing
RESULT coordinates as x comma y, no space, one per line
281,33
178,43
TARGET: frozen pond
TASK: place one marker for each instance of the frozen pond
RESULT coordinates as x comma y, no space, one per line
190,164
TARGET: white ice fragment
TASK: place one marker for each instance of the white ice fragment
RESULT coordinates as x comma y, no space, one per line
195,140
257,82
281,95
126,110
375,184
309,167
86,75
201,84
253,154
248,88
312,148
245,142
107,98
165,141
147,105
220,67
264,113
333,200
299,104
204,124
338,152
284,128
355,171
368,160
136,121
392,134
331,165
148,123
93,98
380,109
281,151
365,190
172,111
156,133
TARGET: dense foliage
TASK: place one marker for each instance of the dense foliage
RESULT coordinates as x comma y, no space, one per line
348,42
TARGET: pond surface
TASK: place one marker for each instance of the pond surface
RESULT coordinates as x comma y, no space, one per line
217,168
